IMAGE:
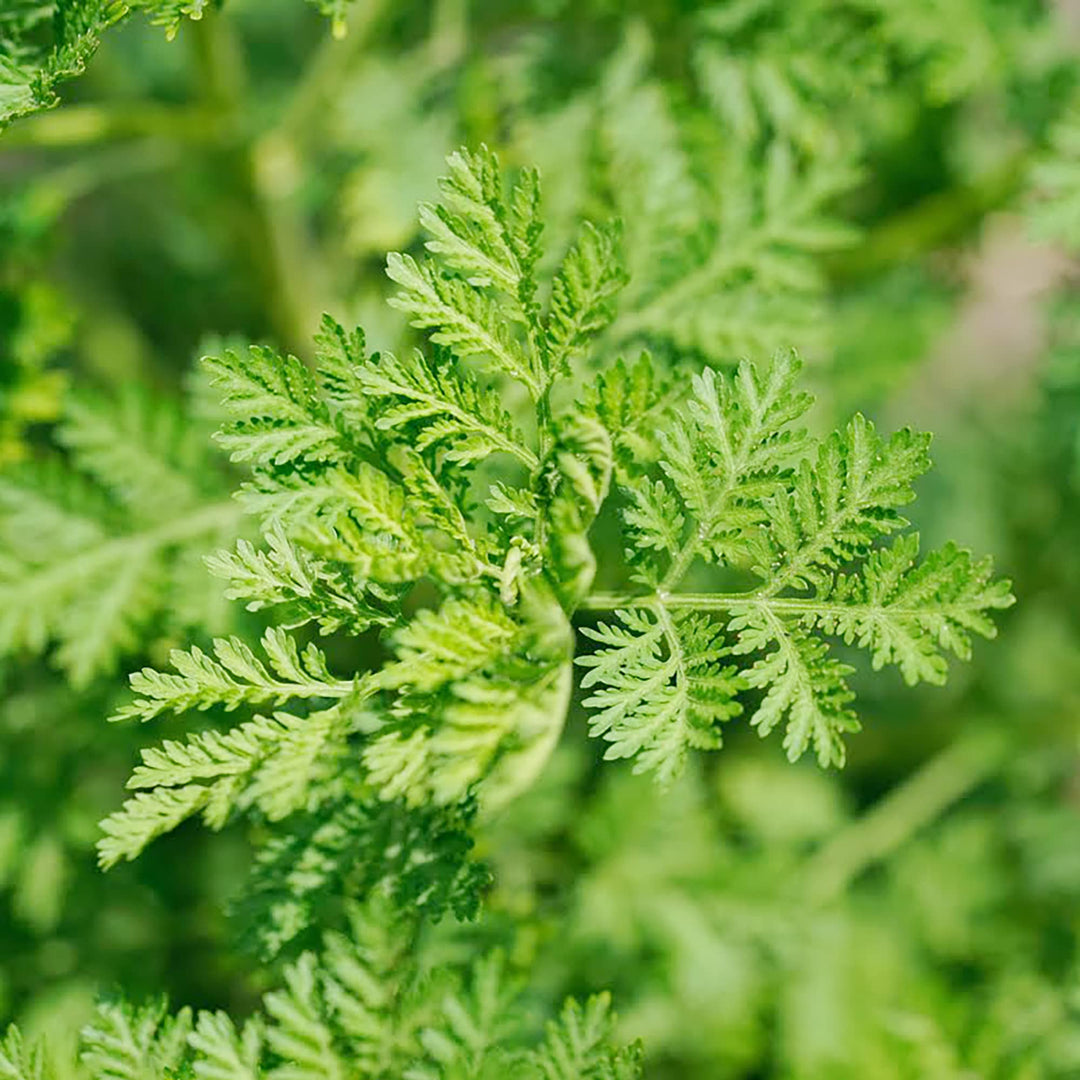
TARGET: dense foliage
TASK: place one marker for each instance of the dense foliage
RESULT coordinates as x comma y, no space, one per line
400,601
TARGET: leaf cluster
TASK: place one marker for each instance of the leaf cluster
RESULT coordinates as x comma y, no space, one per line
741,487
101,546
368,1005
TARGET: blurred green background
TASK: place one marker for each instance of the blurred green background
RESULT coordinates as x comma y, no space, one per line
890,186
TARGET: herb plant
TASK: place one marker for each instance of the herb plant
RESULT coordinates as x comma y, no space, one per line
367,480
433,623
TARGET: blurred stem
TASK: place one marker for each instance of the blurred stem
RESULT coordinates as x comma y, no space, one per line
939,219
260,173
308,121
83,125
326,72
909,807
336,58
61,185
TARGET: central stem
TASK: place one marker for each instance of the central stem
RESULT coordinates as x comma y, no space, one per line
791,605
266,234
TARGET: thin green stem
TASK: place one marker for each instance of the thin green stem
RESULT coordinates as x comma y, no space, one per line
545,440
908,808
91,125
676,654
270,239
328,70
787,605
601,601
680,564
543,424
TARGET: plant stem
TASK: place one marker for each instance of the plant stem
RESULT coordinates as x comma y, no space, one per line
328,70
729,601
938,219
86,125
909,807
271,240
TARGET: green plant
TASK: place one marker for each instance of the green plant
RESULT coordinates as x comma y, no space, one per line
576,507
370,1004
366,473
104,547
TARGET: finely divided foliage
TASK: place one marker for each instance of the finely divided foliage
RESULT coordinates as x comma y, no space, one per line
366,473
43,43
723,240
1054,209
370,1005
102,547
444,501
742,486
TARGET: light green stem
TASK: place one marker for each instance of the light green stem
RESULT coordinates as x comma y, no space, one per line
266,232
786,605
91,125
327,70
897,817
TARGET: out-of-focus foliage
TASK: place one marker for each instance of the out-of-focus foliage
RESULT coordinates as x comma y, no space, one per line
754,914
43,43
837,177
1054,213
35,326
1055,177
102,550
377,1002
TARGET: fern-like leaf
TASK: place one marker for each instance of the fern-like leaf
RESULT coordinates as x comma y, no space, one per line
362,474
663,688
20,1062
302,586
579,1046
223,1053
443,406
135,1044
96,550
741,487
234,676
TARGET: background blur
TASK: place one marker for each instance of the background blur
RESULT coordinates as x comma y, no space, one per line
891,186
